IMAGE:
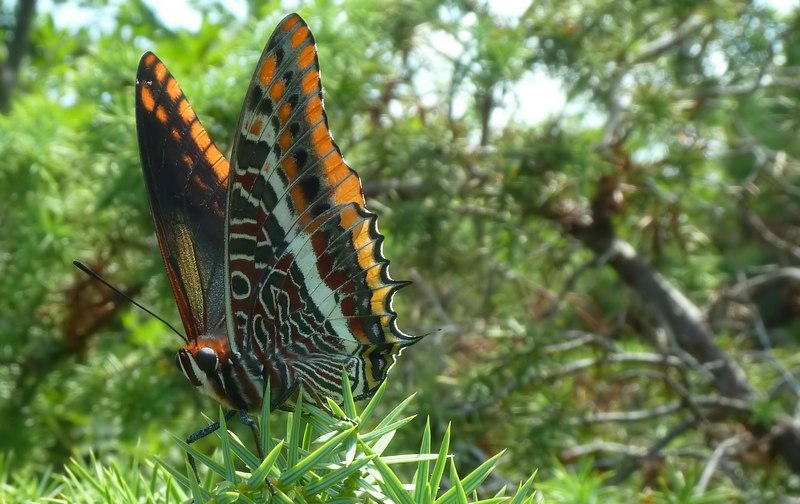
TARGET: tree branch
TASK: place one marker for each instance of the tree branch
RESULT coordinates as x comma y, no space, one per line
680,316
17,49
659,411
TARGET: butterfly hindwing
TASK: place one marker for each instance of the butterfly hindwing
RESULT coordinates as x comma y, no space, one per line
307,283
186,178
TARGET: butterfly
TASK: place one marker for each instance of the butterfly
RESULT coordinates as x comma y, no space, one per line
276,265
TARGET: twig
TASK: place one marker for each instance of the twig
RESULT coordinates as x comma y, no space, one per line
621,358
648,52
576,339
596,261
660,411
711,466
763,338
737,89
670,39
603,446
768,236
628,468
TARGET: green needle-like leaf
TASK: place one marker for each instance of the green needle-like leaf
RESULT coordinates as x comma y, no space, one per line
396,411
230,470
524,489
421,476
336,409
178,475
409,458
390,483
382,430
229,498
242,452
382,443
369,409
460,496
348,404
337,476
200,494
308,436
427,499
313,458
282,497
201,458
438,467
475,478
351,448
367,484
293,430
264,423
263,470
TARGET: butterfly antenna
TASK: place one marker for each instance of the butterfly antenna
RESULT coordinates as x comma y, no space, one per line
86,269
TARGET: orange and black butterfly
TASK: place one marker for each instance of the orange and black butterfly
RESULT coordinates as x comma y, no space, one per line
275,263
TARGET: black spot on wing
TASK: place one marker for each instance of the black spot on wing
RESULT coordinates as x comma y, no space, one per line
310,185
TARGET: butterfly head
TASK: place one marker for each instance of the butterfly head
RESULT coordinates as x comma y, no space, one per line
203,361
235,380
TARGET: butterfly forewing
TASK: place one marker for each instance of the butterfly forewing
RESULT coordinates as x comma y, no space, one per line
186,178
308,288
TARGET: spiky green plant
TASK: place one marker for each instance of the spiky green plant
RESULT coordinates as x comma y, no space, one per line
332,456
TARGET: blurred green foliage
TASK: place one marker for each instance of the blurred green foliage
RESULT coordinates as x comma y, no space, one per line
678,135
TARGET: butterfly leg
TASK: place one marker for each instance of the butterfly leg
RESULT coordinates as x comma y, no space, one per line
205,431
251,422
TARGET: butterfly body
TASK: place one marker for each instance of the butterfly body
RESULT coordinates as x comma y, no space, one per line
275,263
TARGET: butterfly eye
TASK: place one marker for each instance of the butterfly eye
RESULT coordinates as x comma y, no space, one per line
183,360
207,360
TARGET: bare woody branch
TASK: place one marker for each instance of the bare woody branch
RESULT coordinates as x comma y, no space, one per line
662,410
682,318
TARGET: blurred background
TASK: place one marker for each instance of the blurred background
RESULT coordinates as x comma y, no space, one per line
598,204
